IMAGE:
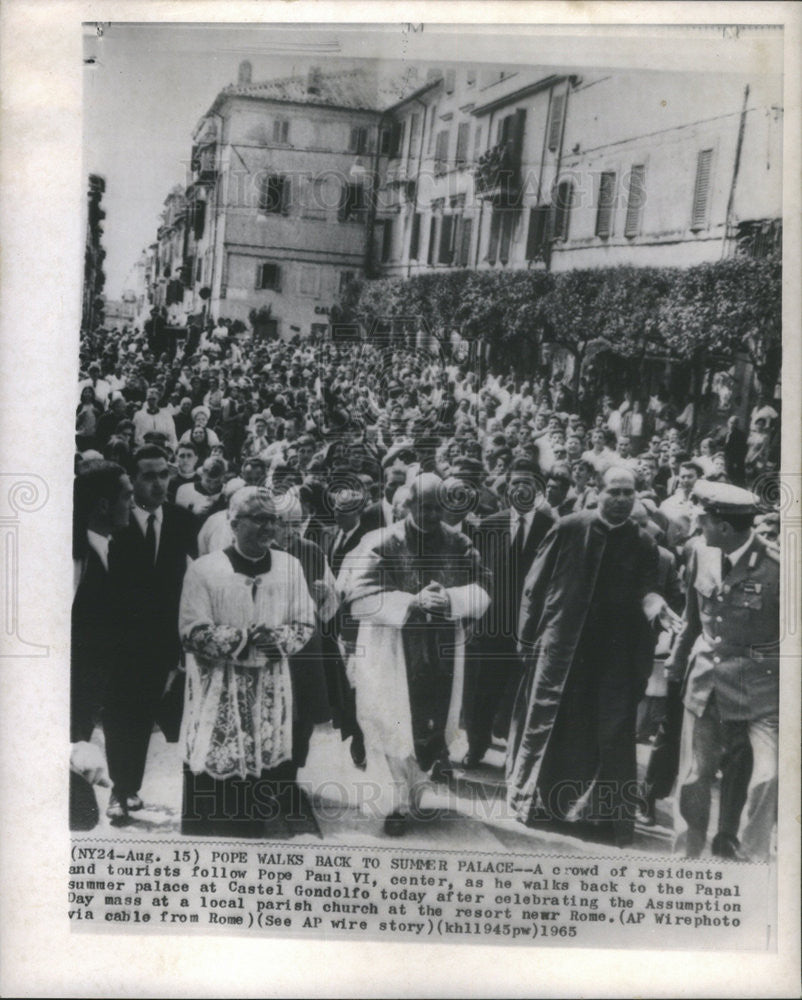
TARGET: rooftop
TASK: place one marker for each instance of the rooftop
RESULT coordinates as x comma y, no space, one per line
359,89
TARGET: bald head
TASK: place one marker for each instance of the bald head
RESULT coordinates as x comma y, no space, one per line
617,496
425,506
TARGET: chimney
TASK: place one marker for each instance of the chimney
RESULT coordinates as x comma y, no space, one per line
244,75
313,80
433,74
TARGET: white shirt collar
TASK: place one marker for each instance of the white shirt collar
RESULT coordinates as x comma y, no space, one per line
100,543
143,515
528,517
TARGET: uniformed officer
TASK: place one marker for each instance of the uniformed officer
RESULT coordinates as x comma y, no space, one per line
727,653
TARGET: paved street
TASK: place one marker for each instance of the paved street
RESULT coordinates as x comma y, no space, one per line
471,814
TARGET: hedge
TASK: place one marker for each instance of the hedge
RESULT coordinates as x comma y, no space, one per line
719,308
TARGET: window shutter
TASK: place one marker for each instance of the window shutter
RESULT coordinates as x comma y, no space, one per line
507,223
446,227
358,139
635,200
387,240
441,152
556,123
463,138
286,194
562,210
701,191
432,239
536,237
465,243
604,212
492,246
414,239
199,219
477,142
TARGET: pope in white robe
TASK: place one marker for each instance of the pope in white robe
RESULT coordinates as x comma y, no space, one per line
412,588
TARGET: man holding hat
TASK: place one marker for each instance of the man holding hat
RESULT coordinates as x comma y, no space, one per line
727,652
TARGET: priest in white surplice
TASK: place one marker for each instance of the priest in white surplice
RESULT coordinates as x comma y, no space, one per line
411,587
244,611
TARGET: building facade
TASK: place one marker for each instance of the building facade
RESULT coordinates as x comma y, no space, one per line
522,169
298,185
278,216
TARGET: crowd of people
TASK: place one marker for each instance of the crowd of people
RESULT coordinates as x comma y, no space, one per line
295,533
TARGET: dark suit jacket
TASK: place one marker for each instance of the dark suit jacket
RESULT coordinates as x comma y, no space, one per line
147,596
334,554
316,531
735,452
95,645
306,666
498,628
373,518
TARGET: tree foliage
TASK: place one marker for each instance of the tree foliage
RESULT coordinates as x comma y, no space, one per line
719,308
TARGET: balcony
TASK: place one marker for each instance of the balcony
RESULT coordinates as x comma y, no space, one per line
203,164
497,175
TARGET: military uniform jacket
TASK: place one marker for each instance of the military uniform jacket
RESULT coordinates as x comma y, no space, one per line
729,640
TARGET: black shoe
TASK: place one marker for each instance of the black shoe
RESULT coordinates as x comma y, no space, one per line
725,845
133,803
357,748
442,771
116,810
471,760
645,813
395,825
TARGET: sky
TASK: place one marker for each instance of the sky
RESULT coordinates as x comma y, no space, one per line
144,93
146,86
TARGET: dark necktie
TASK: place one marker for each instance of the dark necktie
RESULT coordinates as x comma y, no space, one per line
726,566
517,550
150,539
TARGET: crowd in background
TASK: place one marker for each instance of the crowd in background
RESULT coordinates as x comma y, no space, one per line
342,431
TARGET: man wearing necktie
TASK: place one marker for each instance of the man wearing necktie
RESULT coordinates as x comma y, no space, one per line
146,568
727,654
507,542
102,504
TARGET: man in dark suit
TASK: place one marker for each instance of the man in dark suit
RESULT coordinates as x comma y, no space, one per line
147,565
102,502
350,530
507,542
735,451
395,469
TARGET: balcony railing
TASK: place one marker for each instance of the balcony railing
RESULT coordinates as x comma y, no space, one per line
497,174
203,164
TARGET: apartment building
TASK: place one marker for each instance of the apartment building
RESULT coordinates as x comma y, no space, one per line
522,168
279,215
299,184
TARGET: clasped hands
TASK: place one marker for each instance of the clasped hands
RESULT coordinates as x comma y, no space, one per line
264,639
433,599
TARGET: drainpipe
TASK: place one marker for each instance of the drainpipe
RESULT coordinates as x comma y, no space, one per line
371,221
560,146
417,175
736,167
